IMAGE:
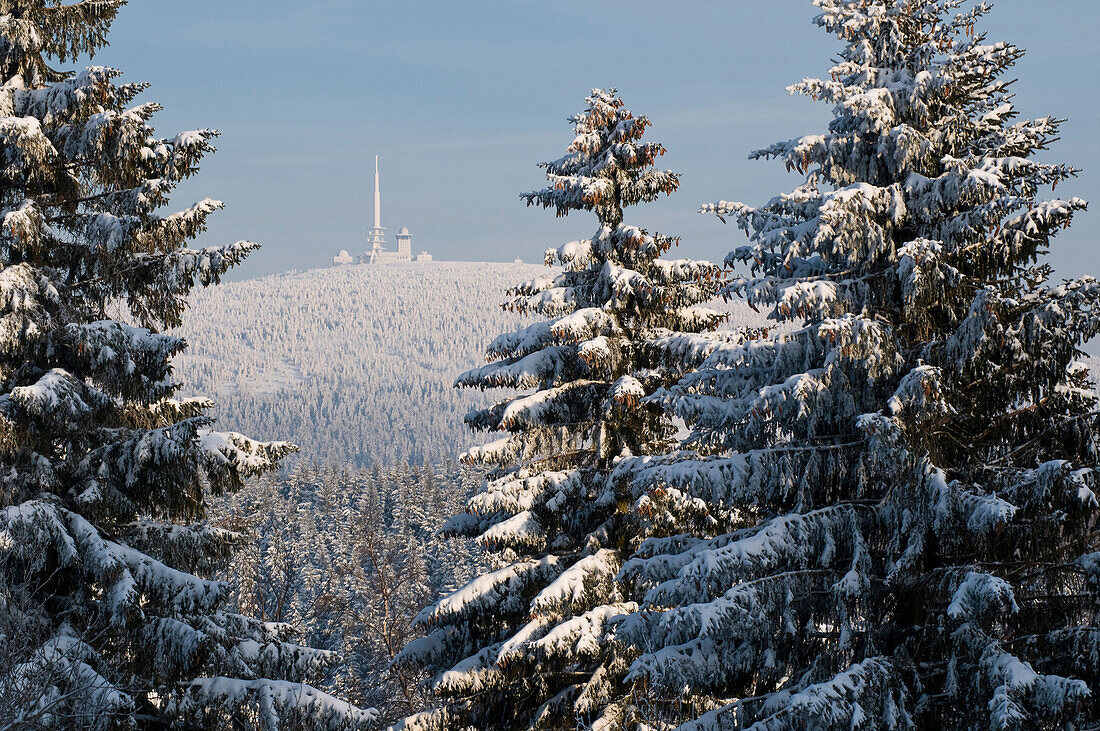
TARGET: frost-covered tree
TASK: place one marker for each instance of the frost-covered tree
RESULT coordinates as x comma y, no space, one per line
900,477
525,645
105,558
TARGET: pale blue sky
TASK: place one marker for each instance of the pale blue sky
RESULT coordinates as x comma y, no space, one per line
462,99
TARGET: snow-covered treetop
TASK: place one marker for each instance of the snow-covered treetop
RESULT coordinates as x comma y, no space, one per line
613,293
606,166
34,30
923,139
86,173
921,200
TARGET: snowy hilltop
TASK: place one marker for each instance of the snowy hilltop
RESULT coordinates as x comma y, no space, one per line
354,364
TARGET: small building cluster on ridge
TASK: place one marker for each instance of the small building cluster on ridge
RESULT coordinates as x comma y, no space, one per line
376,238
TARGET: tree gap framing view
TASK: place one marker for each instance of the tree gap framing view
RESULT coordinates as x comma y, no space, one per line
822,460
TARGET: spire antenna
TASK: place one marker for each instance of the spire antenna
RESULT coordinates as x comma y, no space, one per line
376,236
377,197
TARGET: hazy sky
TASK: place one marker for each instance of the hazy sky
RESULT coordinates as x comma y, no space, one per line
462,99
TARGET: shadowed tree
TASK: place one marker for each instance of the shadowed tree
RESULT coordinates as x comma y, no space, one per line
900,478
106,474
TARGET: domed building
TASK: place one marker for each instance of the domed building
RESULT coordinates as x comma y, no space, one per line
376,239
404,245
376,235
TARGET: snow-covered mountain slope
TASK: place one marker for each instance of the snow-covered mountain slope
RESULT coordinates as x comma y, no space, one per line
355,363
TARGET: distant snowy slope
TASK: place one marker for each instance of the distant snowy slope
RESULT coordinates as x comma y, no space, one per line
355,363
352,363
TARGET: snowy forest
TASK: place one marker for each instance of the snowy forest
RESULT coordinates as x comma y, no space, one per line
364,378
844,478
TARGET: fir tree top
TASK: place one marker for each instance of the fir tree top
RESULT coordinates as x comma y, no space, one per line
607,166
34,30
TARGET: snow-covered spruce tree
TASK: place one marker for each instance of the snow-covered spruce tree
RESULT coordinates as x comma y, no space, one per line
525,645
105,474
901,476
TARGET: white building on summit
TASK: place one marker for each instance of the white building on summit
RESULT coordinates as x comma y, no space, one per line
376,239
376,236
